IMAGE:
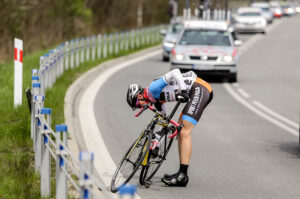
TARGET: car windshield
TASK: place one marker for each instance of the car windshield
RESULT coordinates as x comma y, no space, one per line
250,14
175,28
205,37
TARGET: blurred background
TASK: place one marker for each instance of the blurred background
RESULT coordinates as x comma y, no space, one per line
60,20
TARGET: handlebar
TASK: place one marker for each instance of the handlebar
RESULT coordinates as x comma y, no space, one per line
147,106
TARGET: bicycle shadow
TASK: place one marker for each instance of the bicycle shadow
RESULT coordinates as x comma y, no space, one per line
292,148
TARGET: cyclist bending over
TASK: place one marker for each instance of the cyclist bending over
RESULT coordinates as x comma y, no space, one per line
196,93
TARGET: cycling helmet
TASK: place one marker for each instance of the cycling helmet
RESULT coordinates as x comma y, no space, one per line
132,94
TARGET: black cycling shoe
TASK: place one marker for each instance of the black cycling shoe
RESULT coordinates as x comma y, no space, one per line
171,175
180,181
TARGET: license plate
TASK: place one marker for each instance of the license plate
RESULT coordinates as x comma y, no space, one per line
203,67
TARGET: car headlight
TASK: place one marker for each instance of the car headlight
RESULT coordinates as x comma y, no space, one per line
169,44
227,58
179,57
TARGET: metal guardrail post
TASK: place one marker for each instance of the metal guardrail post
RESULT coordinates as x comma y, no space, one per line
34,73
93,47
127,191
127,41
116,43
99,49
77,49
82,43
39,104
137,38
46,161
67,53
122,38
86,165
110,51
88,47
132,39
61,179
104,46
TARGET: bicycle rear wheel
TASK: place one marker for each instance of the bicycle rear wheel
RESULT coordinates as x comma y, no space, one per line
131,161
156,160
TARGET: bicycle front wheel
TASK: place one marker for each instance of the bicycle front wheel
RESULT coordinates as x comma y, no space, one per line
131,161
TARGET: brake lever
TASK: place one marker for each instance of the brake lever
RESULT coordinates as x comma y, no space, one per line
145,106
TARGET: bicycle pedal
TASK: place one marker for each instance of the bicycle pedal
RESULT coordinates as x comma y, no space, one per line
147,184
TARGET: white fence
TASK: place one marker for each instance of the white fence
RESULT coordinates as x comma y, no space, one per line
51,144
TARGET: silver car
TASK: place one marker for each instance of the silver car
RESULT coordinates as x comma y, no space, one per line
206,47
170,36
250,19
266,11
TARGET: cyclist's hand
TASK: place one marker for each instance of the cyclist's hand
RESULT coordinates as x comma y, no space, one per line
184,95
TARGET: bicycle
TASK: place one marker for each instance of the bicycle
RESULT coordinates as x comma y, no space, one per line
145,153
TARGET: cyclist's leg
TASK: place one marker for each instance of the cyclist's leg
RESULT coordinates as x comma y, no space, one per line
185,142
192,112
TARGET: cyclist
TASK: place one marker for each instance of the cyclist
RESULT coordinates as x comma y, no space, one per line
195,92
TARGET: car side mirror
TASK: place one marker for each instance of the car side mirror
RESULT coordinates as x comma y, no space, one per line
163,32
238,42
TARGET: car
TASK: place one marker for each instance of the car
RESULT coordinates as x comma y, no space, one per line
249,19
266,12
208,48
170,36
288,10
276,9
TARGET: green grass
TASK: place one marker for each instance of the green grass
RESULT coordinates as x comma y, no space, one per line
18,178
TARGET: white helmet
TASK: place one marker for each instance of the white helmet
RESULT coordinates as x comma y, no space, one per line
132,94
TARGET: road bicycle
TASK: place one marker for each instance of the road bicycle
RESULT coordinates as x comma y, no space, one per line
149,150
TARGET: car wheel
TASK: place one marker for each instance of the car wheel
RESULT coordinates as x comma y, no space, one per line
165,58
232,78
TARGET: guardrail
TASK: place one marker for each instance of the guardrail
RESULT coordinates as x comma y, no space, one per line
51,144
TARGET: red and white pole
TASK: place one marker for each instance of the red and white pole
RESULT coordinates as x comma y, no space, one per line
18,76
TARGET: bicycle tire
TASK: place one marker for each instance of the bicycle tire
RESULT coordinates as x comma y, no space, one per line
140,148
154,164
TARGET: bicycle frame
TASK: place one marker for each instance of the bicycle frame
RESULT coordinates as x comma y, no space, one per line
167,119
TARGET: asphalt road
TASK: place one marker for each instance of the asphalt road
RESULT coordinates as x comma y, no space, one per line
237,153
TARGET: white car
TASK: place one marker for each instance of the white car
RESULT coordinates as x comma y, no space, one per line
208,48
250,19
266,11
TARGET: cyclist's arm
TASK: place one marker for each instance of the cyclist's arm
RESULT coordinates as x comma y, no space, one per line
175,75
160,107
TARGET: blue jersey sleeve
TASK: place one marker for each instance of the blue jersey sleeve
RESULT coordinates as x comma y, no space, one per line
156,87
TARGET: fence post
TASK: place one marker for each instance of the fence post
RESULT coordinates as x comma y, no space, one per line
86,168
61,179
77,49
104,46
39,103
67,52
46,162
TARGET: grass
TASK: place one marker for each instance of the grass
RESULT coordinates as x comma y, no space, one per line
18,178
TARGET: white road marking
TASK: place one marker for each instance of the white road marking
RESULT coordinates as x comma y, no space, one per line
104,163
259,112
274,114
243,93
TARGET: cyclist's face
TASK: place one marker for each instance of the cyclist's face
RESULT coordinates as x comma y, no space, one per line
140,101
